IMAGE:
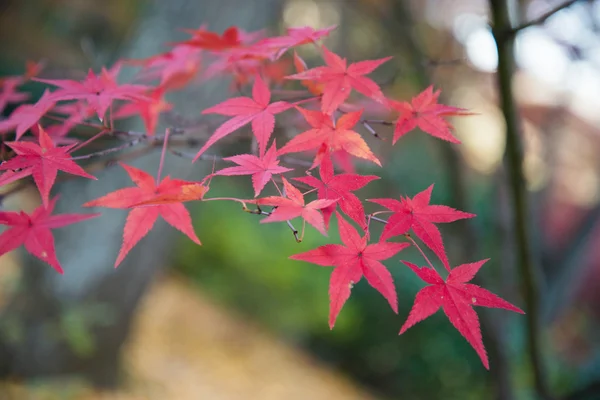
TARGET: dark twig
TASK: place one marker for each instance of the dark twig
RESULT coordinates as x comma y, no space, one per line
377,121
101,153
541,19
371,130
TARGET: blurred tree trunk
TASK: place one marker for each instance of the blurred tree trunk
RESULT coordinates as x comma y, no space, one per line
76,323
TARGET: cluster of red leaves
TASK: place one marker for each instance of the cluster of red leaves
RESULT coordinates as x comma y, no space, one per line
331,137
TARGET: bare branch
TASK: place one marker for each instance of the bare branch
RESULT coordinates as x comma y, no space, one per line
542,18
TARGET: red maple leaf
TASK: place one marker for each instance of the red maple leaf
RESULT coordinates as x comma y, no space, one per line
457,298
33,231
27,115
339,79
207,40
76,112
148,201
352,261
9,93
293,206
339,187
425,113
175,68
329,137
418,214
313,87
148,109
261,169
43,161
98,90
245,110
294,37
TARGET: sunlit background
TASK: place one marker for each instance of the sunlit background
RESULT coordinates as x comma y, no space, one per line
235,319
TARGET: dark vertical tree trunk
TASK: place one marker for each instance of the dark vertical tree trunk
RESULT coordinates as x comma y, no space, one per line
76,323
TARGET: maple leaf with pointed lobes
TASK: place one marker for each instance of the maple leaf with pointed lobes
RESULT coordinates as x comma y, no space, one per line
207,40
75,112
329,137
9,93
425,113
261,169
245,110
27,115
295,37
98,90
418,214
43,161
149,200
293,206
149,110
339,79
353,260
33,231
456,297
339,187
313,87
174,69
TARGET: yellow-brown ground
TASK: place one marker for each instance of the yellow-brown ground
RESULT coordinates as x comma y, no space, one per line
183,346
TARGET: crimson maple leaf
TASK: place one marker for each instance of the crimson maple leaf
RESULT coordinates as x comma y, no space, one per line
33,231
8,92
339,187
425,113
27,115
261,169
294,37
293,206
313,87
43,161
204,39
456,297
149,200
98,90
174,68
339,79
75,113
244,110
352,261
418,214
149,109
328,136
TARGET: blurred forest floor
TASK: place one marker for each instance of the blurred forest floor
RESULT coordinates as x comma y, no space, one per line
184,346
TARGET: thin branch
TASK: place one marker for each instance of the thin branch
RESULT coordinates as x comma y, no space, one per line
371,130
377,121
513,158
110,150
541,19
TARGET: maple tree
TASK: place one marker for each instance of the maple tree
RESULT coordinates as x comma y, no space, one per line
325,113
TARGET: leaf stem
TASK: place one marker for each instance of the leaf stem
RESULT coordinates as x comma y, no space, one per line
162,156
407,235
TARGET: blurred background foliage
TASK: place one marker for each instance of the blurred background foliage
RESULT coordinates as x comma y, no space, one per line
243,265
